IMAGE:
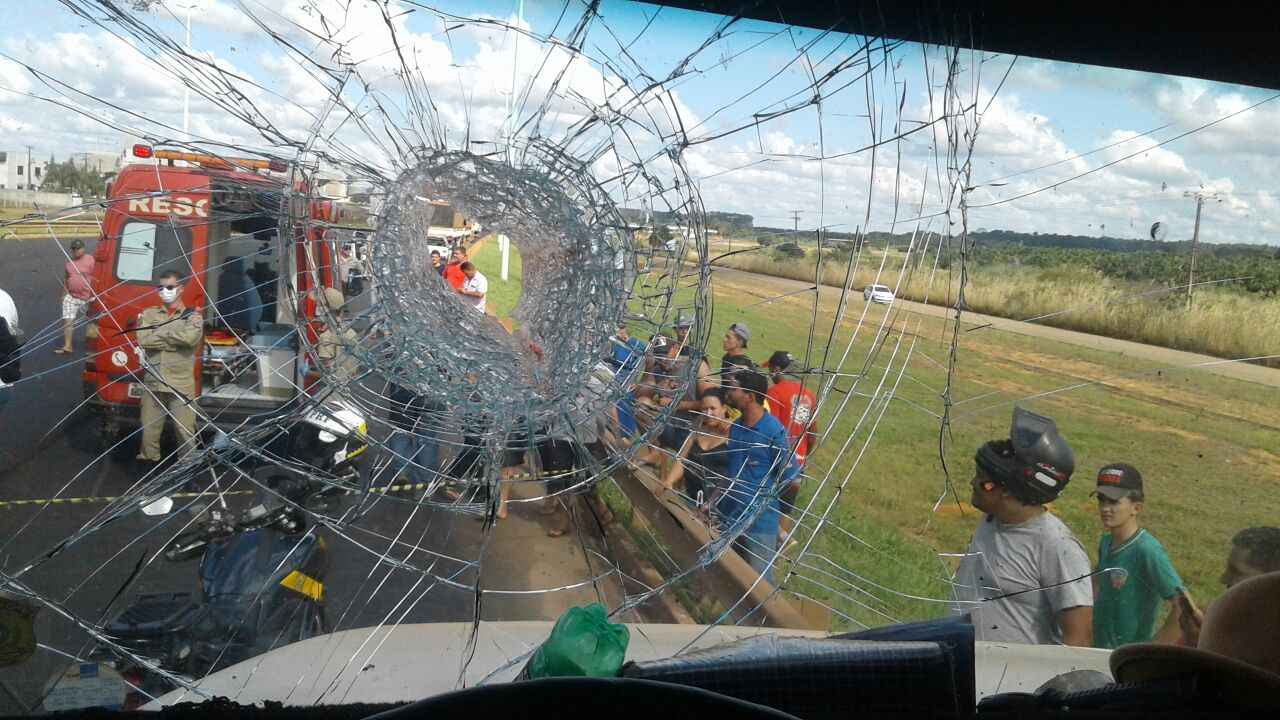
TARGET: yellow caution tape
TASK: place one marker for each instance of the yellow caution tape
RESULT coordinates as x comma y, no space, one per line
87,500
382,490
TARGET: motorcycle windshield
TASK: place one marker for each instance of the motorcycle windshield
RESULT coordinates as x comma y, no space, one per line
249,567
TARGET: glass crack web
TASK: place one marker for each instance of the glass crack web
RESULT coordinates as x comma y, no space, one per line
404,127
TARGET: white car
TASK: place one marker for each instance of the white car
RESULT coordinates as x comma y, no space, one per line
877,293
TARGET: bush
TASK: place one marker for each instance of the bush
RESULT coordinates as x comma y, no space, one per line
839,251
788,251
765,240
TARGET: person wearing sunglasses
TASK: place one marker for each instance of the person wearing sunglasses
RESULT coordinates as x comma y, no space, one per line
169,334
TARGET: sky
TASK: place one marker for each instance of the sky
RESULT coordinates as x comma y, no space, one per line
758,118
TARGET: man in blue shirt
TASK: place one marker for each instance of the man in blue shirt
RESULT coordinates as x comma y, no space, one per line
627,354
760,466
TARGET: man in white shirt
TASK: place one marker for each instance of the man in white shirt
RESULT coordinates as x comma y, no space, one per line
474,288
9,312
9,346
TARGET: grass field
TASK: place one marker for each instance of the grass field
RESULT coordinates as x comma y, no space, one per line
1206,445
504,296
1224,323
76,224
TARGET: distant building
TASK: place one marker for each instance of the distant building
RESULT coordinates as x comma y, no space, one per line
682,231
103,161
15,173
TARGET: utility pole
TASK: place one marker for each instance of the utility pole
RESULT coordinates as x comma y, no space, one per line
1195,242
512,107
30,186
186,87
795,229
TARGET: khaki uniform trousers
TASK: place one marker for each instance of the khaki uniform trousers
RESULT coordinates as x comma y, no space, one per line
155,405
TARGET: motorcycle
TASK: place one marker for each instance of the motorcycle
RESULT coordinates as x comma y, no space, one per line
261,571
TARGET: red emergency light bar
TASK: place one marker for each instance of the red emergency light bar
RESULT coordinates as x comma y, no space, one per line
146,152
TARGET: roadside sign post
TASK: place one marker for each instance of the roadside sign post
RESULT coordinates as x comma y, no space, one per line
504,246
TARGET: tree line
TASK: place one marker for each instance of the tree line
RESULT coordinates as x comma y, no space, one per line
1260,270
1165,263
68,177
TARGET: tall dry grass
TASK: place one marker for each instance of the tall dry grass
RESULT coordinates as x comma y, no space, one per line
1223,323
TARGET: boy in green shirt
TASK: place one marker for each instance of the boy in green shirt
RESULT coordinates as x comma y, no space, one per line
1134,576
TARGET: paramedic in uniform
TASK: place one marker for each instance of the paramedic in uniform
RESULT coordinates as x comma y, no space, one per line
169,335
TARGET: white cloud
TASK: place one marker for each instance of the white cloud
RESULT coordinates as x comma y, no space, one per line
462,82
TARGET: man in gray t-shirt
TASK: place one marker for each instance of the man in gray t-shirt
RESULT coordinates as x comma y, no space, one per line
1011,561
1025,578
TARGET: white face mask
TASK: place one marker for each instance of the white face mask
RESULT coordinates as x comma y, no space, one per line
168,296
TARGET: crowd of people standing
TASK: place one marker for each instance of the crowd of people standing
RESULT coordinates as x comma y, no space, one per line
733,441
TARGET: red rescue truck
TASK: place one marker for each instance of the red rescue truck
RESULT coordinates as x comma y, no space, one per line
198,214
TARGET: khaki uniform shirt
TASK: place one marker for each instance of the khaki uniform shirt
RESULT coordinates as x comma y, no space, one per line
170,343
334,351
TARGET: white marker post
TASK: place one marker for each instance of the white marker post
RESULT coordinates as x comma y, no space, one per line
504,245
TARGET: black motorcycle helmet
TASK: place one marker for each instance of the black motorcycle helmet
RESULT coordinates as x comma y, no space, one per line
1034,464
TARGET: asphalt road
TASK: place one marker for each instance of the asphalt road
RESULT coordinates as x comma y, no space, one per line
47,450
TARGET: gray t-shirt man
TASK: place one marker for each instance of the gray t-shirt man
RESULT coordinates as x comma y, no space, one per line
1019,560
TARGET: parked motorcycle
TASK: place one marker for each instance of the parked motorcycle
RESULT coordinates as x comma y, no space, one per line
262,570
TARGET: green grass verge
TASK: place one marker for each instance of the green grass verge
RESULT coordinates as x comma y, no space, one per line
503,295
701,608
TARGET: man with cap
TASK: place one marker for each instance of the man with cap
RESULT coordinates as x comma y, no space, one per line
735,345
1134,575
169,335
681,326
1025,577
77,274
334,345
793,405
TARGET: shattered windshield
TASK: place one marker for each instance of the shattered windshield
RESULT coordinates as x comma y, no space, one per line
337,330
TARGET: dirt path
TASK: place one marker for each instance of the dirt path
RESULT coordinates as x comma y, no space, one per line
1153,353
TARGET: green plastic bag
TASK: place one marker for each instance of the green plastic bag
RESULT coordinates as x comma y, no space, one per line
582,643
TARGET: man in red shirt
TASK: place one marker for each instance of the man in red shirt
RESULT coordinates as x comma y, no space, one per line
76,292
793,405
453,271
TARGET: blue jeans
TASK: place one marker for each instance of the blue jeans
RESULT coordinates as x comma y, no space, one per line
758,549
4,394
414,454
626,415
